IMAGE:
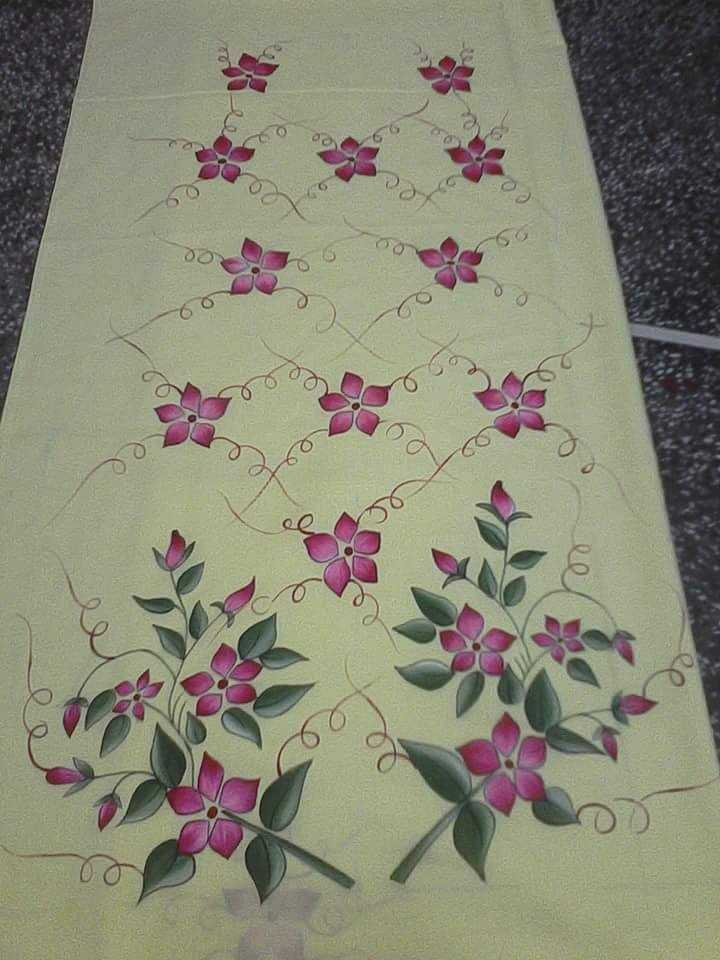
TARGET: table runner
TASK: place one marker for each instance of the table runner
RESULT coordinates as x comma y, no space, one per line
342,619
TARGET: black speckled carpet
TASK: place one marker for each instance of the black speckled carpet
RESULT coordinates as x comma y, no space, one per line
647,79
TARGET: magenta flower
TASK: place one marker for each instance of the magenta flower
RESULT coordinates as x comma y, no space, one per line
609,742
72,713
559,638
469,647
634,705
175,553
502,502
235,794
62,776
350,405
448,75
359,546
185,419
351,159
250,72
109,806
135,694
476,160
445,562
222,158
522,406
622,642
483,757
452,267
226,668
254,268
234,603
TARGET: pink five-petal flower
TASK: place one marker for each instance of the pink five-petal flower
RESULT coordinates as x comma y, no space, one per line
346,555
349,406
250,74
350,159
634,705
502,502
255,268
62,776
71,715
523,406
226,668
447,75
108,807
445,562
470,648
186,419
559,638
622,642
222,159
135,693
236,794
476,160
452,264
510,774
235,602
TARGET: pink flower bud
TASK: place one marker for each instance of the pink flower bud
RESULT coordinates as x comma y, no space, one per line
71,716
501,501
634,705
445,562
64,775
236,601
609,742
622,644
108,808
175,551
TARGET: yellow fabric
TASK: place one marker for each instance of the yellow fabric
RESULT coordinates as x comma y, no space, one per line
134,234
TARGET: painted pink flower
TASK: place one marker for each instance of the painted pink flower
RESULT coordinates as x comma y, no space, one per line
222,159
609,742
502,502
476,160
451,266
186,419
523,406
622,642
72,713
485,757
350,405
226,668
448,75
135,693
234,603
558,638
108,807
255,269
350,549
175,553
250,72
634,705
470,648
235,794
351,159
445,562
62,776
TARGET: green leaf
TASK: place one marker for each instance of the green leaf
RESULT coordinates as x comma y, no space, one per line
436,608
442,770
509,688
468,692
83,767
597,640
421,631
280,657
567,741
155,604
198,621
472,833
99,707
426,674
581,671
542,706
280,802
76,787
619,715
146,800
556,809
115,733
165,867
493,535
526,559
190,579
487,580
258,638
491,509
171,640
514,592
519,515
159,559
194,729
167,760
274,701
241,724
266,864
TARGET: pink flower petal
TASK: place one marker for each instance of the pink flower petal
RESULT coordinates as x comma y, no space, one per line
209,705
59,776
463,71
248,62
512,386
230,172
238,599
473,172
470,257
138,711
451,640
491,399
500,793
367,542
241,693
477,145
70,719
258,84
533,398
167,412
375,396
233,72
321,547
574,646
125,688
529,785
508,424
209,171
492,664
635,705
445,562
552,625
492,169
466,274
350,146
226,835
176,548
345,528
571,630
274,260
206,155
340,422
460,155
624,648
442,86
224,659
265,282
246,670
242,284
251,251
193,837
240,154
121,706
498,640
494,154
176,433
212,408
152,690
210,777
265,69
202,434
239,84
185,800
239,795
352,385
365,569
190,398
106,812
367,422
557,653
367,153
447,64
346,172
532,753
430,73
470,623
459,84
196,684
222,145
505,734
543,639
609,743
337,575
463,661
332,156
449,248
531,420
446,278
480,757
431,258
333,401
234,264
501,500
143,680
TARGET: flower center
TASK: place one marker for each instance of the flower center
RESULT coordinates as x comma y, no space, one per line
509,764
356,406
136,697
222,159
255,270
212,813
476,646
192,418
348,551
222,684
515,405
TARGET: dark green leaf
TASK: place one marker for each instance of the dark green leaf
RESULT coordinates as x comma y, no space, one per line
526,559
190,579
493,535
167,760
472,833
619,714
146,800
582,671
171,640
542,706
280,657
556,809
421,631
491,509
509,688
266,864
274,701
259,638
165,867
194,729
99,707
159,559
597,640
567,741
198,621
442,770
468,692
83,767
514,592
155,604
76,787
426,674
115,733
519,515
487,580
242,724
436,608
281,800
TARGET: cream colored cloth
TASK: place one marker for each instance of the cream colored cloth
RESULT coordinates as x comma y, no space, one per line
327,290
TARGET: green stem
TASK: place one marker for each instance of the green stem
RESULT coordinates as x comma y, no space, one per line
590,714
402,872
119,656
123,774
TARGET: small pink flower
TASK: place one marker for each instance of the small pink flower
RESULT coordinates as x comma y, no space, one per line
175,553
476,160
502,502
622,643
512,395
222,158
634,705
484,757
350,405
240,598
448,75
255,269
469,647
61,776
359,546
452,267
185,419
226,668
109,806
235,794
351,159
445,562
250,72
72,713
558,638
609,742
135,694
